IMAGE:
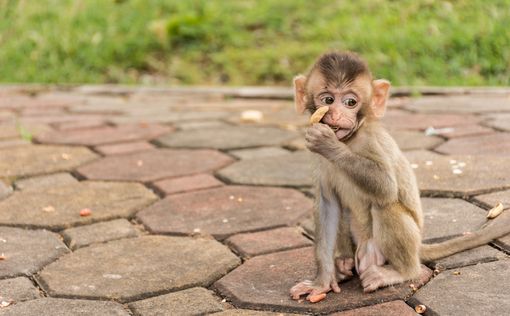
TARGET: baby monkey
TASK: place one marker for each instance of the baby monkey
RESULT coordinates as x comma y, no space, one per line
368,215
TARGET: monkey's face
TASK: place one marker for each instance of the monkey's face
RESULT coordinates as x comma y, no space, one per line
345,101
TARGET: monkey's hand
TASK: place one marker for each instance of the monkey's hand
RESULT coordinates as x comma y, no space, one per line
321,139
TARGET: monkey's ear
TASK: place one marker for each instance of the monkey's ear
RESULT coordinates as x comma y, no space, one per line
380,96
299,93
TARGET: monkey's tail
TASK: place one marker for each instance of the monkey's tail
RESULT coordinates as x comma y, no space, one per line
429,252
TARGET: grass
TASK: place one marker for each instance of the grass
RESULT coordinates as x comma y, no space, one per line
251,42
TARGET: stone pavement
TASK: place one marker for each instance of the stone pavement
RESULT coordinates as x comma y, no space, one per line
139,201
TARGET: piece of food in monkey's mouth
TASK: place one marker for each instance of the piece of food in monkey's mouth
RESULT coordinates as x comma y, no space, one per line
319,114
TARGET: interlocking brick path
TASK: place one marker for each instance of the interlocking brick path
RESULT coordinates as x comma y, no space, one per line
195,210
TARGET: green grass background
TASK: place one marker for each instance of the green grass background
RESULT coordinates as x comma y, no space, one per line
251,42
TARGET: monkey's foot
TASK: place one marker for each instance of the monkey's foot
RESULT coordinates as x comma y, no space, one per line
344,268
375,277
315,292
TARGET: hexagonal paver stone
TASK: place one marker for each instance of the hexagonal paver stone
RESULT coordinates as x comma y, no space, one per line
482,289
27,251
287,170
231,137
46,181
499,121
459,175
136,268
59,207
34,160
409,140
254,244
460,104
446,218
17,290
264,282
195,301
105,135
186,184
124,148
469,257
8,130
417,121
490,200
390,308
61,307
100,232
492,144
258,152
13,143
155,164
225,211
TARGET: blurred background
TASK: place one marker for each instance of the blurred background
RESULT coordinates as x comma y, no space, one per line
251,42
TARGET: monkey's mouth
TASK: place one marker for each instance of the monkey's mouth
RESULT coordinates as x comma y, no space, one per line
341,133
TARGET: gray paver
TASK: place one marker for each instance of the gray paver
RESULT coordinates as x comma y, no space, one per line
246,312
18,290
492,144
225,211
468,257
53,208
500,121
100,232
476,176
258,152
450,217
409,140
190,302
460,104
124,148
227,137
478,290
46,181
418,121
27,251
35,160
288,170
264,282
155,165
64,307
134,268
490,200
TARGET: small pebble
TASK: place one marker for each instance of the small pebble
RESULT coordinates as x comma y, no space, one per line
414,166
428,163
452,162
457,171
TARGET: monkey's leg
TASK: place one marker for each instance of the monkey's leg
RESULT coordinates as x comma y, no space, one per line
344,253
397,236
326,229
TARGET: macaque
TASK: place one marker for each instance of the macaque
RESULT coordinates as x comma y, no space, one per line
368,215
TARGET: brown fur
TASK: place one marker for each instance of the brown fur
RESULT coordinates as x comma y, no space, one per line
368,204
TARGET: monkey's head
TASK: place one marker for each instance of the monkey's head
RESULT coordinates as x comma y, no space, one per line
343,82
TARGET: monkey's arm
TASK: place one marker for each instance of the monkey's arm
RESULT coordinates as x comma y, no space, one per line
370,171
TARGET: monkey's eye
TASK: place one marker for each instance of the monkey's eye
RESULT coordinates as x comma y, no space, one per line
328,100
350,102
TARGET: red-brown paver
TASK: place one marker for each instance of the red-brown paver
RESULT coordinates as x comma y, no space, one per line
188,183
124,148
